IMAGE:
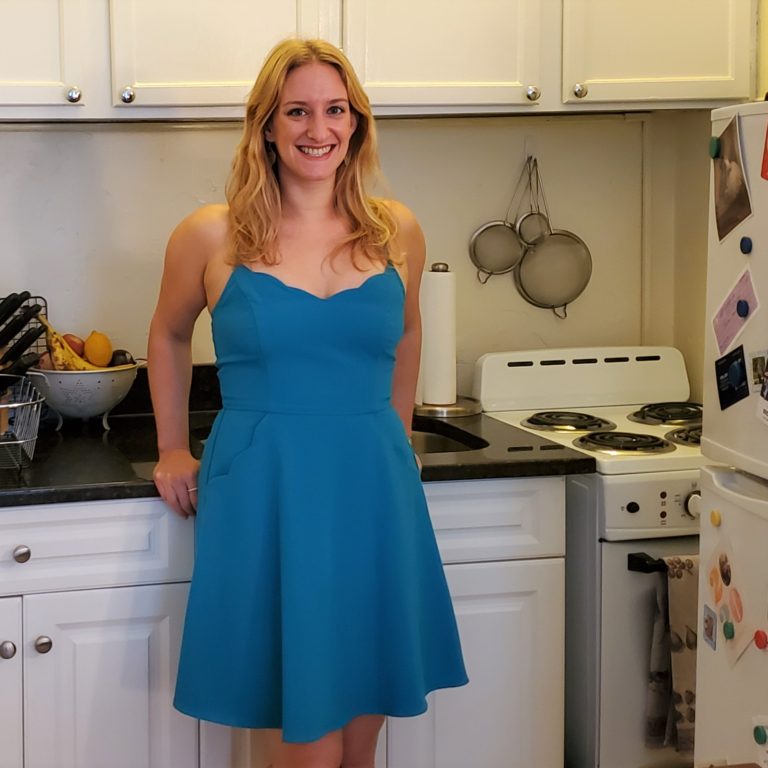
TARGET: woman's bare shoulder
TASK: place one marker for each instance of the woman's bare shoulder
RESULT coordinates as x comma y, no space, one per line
409,237
208,223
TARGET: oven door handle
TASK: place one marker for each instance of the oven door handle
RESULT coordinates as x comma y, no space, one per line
644,563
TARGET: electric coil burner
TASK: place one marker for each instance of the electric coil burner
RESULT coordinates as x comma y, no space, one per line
611,442
673,414
567,421
685,435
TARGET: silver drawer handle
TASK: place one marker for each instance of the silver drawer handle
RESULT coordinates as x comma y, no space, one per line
22,553
7,650
73,94
43,644
127,95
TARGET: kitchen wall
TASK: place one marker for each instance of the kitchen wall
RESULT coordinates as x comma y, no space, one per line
85,212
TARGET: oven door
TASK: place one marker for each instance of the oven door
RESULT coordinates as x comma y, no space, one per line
628,602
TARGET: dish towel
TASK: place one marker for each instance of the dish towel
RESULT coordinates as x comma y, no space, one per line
683,586
658,698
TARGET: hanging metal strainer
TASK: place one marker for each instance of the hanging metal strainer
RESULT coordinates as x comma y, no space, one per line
533,224
554,271
495,247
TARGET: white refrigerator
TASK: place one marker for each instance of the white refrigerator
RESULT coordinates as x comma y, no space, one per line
732,650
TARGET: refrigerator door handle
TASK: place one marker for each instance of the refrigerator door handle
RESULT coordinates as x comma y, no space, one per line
745,491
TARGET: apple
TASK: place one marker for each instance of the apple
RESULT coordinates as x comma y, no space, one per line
77,345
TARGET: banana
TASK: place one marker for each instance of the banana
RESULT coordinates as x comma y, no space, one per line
64,358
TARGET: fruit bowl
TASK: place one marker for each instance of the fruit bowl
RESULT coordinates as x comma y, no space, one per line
84,394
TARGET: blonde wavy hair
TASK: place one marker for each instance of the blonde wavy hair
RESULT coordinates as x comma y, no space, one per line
253,189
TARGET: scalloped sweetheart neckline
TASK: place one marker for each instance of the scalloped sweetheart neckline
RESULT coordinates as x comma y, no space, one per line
303,291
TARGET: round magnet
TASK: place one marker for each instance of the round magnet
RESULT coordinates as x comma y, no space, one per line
728,630
760,734
761,639
745,245
715,518
714,146
742,307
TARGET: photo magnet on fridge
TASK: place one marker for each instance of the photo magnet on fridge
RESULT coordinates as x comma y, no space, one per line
737,309
732,202
710,627
731,376
762,400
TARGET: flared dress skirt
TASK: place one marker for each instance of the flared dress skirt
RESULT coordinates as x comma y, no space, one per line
318,593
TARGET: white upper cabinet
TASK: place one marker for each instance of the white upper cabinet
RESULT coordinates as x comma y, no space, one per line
177,53
143,59
467,52
40,58
657,50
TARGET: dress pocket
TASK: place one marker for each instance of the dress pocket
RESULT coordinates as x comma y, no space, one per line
235,434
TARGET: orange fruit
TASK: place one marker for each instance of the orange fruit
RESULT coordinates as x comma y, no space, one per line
98,349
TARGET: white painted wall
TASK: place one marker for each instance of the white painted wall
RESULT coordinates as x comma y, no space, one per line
85,212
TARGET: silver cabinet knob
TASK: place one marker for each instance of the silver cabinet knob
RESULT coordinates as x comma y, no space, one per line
73,94
7,650
580,90
127,95
22,553
43,644
532,93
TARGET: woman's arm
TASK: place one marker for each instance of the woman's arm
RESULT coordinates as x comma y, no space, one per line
182,298
410,240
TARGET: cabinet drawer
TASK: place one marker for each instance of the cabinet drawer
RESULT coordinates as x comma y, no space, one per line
499,519
94,544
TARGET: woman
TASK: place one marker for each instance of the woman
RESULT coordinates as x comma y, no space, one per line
318,603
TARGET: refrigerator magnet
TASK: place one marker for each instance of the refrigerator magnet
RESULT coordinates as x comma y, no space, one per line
762,400
731,377
709,625
758,362
764,166
735,312
732,203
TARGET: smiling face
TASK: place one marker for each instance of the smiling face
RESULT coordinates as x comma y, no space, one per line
312,124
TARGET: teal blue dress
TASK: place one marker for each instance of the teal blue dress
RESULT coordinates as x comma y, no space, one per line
318,593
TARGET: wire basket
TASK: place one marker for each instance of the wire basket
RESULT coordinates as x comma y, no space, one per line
20,407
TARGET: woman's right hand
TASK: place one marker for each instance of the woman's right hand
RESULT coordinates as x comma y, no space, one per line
175,476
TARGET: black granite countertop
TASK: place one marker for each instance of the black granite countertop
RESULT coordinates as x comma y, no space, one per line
82,462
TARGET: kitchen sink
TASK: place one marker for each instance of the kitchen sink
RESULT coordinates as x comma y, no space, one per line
428,436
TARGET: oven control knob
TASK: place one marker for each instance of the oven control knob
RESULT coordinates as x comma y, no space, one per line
692,505
633,507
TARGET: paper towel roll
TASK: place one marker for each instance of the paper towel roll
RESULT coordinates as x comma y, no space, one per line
437,377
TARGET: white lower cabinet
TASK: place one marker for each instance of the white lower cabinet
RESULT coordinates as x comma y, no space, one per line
511,622
87,655
11,676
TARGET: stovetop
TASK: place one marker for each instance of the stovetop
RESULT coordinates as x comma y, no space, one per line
618,455
627,407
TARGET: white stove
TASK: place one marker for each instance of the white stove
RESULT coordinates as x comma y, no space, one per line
642,499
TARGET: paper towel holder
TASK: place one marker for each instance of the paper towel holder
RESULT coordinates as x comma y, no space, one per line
464,406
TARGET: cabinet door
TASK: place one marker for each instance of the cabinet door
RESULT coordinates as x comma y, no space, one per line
468,52
10,683
42,50
511,620
656,50
101,696
177,53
